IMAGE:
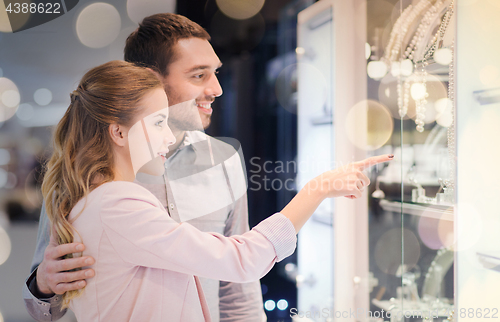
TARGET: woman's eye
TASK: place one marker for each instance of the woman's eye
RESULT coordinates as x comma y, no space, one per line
159,123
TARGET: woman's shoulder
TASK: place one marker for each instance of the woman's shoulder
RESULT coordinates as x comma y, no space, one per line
118,191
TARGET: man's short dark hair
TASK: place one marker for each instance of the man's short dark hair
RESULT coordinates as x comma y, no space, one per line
152,44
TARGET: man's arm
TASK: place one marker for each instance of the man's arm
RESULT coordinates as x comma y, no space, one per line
240,302
48,280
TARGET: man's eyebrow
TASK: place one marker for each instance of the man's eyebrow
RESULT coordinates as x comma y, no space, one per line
202,67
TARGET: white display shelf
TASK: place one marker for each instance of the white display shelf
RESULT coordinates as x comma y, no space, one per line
442,212
409,307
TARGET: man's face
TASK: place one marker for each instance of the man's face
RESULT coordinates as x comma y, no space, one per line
192,76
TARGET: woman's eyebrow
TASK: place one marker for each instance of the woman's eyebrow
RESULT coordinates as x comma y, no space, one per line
160,115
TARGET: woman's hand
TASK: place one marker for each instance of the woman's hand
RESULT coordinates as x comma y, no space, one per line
347,181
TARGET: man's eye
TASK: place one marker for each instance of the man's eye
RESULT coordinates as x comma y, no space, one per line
199,76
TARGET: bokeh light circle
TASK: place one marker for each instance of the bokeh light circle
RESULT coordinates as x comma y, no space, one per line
269,305
140,9
470,227
444,111
369,125
388,250
25,112
11,181
4,156
9,99
443,56
4,177
488,74
445,230
240,9
42,96
435,233
376,69
5,246
98,25
282,304
313,91
435,90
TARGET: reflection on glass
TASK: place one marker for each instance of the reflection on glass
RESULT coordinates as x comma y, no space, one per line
369,125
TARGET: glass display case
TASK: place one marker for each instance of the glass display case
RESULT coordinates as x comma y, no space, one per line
423,243
412,207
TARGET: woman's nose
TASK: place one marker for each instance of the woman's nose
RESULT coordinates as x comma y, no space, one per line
169,138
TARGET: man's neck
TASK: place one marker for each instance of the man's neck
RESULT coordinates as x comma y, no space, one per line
179,138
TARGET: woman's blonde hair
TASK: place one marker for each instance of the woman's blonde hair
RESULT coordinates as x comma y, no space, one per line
83,156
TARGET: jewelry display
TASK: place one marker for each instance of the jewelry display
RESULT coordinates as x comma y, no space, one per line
421,100
420,75
423,29
400,30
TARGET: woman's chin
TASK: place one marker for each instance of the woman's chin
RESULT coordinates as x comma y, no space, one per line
154,167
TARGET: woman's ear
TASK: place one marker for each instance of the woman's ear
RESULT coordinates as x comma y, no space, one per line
118,134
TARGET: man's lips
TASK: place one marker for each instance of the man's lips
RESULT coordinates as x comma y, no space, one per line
205,107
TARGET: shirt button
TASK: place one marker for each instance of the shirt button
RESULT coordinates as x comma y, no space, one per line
172,206
46,314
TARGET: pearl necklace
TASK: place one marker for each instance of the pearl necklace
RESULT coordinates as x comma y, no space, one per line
400,29
421,102
422,29
433,44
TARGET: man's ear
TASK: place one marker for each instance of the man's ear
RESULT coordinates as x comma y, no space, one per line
118,134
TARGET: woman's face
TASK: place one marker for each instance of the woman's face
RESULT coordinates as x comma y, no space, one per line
149,137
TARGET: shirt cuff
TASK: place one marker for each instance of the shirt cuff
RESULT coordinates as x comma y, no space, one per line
41,309
279,230
31,283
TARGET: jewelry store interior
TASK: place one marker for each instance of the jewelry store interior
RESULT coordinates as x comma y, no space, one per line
310,86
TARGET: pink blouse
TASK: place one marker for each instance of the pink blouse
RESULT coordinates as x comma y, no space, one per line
147,264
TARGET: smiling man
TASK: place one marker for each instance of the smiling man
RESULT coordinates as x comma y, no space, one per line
204,182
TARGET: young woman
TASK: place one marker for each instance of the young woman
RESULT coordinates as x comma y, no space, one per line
147,265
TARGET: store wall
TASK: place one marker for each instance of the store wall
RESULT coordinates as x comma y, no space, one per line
478,147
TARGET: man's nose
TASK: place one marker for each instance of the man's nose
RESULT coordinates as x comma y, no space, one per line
213,87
